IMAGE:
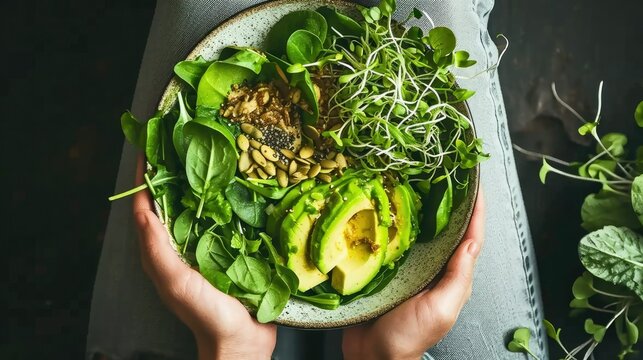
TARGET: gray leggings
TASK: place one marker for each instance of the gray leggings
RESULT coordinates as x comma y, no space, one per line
127,317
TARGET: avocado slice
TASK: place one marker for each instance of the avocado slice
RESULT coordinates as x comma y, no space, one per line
366,239
295,229
328,245
400,233
273,223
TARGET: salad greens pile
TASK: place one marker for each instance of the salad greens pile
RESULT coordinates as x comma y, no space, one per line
392,107
612,251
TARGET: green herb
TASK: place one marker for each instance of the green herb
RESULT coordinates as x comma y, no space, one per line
250,274
520,342
248,205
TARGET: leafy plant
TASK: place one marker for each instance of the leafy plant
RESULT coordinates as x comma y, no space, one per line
612,252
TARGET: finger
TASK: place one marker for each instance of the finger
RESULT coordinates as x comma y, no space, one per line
142,199
476,225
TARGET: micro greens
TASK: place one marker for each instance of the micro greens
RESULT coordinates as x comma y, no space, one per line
612,252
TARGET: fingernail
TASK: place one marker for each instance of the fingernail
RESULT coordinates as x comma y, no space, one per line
473,248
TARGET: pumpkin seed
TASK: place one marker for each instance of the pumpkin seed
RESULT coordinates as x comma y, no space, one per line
326,171
253,175
257,134
248,128
317,92
328,164
255,144
258,158
331,155
244,161
304,169
314,170
292,167
242,142
269,153
325,178
306,152
288,153
341,161
283,166
295,95
262,174
311,132
270,169
252,168
282,178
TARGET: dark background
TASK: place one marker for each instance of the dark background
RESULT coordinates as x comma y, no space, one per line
70,70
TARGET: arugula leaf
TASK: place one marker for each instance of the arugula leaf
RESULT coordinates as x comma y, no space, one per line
615,255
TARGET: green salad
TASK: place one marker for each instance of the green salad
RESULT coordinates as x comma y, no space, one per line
309,167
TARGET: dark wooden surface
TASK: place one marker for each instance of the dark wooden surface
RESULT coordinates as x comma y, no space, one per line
71,71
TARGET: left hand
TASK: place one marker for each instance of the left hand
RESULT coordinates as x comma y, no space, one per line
223,328
407,331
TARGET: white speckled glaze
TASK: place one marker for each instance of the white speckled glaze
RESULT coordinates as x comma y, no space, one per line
425,260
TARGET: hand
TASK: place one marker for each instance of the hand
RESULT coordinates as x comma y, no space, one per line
407,331
223,328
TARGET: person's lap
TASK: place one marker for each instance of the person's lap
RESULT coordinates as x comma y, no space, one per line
128,318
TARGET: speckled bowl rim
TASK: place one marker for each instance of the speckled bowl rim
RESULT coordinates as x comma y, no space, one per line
467,205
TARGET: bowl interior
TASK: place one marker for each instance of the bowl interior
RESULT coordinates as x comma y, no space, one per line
424,261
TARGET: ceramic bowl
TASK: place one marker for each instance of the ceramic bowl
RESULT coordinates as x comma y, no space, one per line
424,261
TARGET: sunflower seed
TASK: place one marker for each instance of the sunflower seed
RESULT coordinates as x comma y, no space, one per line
269,153
258,158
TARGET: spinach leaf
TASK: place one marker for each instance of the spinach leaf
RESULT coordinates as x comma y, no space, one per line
249,299
438,205
271,192
191,71
274,300
180,141
135,131
244,57
328,301
210,165
250,207
637,197
183,228
273,255
288,276
606,208
218,209
221,281
217,81
616,255
155,141
250,274
638,114
201,121
303,47
297,20
212,255
300,78
340,22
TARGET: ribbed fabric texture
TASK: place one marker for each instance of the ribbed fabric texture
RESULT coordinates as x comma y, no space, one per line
127,318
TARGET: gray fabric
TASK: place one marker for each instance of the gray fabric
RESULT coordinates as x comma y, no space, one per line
127,318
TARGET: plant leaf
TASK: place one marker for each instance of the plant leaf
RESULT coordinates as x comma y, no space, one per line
274,301
614,255
596,330
607,208
250,274
614,142
552,332
582,288
249,206
637,197
520,342
135,132
544,170
278,35
638,114
191,71
442,41
303,47
212,255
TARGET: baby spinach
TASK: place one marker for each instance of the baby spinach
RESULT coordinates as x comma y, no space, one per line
212,255
244,57
274,300
248,205
278,35
134,130
191,71
303,47
614,254
345,25
179,139
183,229
273,256
210,165
300,78
217,81
437,208
289,277
271,192
250,274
